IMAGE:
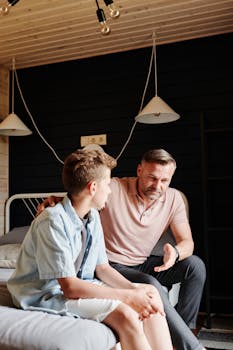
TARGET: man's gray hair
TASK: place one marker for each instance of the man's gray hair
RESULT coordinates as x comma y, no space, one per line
159,156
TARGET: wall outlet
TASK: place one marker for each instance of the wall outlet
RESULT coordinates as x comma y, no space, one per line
96,139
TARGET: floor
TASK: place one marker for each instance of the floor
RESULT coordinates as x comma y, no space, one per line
220,335
218,321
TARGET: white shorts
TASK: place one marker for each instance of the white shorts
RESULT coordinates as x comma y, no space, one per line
92,309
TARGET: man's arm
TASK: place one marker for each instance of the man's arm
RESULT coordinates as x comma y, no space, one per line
184,245
184,240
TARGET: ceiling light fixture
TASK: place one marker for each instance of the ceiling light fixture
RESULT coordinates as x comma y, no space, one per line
12,125
5,8
104,28
156,111
113,10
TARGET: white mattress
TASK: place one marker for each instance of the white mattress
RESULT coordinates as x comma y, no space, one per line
38,330
29,330
5,275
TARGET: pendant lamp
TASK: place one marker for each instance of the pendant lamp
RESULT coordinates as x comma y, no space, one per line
12,125
156,111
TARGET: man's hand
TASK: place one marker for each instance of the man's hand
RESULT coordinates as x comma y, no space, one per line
48,202
169,258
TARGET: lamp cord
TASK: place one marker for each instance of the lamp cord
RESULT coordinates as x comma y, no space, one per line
147,79
127,141
155,64
153,55
13,86
30,115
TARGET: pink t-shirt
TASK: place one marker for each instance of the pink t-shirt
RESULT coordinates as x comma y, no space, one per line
130,231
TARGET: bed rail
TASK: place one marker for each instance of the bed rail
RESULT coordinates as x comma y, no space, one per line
30,200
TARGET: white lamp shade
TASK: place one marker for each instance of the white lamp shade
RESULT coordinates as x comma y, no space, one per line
13,126
156,112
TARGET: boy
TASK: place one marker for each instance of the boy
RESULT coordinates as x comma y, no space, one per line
63,268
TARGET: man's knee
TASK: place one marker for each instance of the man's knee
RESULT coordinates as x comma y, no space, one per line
196,266
148,279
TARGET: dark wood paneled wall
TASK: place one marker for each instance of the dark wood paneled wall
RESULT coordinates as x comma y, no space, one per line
103,95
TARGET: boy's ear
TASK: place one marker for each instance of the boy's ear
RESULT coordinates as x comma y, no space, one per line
92,187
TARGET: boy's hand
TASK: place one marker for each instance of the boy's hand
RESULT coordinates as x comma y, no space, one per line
145,301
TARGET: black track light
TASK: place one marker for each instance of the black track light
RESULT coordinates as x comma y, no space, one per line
113,10
5,8
105,29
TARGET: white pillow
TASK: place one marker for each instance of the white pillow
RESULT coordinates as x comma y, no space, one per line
9,254
16,235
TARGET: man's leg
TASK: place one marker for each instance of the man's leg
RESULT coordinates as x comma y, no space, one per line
182,336
191,273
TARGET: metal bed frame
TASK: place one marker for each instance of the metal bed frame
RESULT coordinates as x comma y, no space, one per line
31,202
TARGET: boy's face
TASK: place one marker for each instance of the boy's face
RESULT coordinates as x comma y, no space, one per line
102,190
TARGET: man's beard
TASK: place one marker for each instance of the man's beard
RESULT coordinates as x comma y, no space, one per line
152,194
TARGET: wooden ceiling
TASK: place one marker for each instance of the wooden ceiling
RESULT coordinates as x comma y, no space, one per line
38,32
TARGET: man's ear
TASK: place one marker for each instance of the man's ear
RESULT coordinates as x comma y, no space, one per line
139,169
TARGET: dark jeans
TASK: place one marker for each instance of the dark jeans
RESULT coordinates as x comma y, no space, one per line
191,273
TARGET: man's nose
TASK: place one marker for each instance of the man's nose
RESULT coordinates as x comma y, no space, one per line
156,183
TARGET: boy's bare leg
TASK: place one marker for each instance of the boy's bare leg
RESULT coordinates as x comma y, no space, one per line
156,328
157,332
124,320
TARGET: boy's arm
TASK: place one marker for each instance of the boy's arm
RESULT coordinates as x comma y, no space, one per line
107,274
144,302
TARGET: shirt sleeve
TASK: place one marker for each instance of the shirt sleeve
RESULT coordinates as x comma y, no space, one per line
180,212
53,251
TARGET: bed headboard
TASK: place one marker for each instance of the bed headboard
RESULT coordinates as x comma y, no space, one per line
26,205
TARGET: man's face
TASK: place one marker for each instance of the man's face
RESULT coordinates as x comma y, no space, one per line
154,179
102,190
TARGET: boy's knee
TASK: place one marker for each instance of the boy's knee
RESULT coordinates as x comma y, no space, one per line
127,317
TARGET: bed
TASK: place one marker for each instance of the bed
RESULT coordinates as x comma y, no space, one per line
35,330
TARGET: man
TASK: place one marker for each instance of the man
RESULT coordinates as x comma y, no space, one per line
63,268
138,212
